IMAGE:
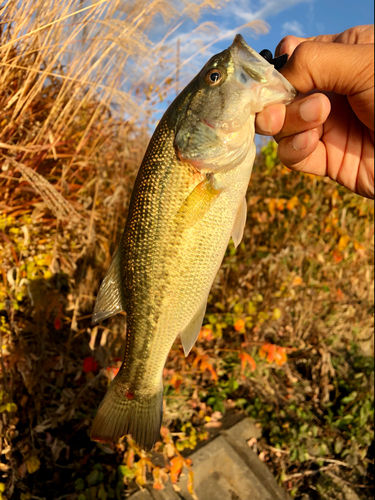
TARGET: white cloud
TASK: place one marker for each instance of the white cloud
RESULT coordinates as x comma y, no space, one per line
197,43
293,28
263,10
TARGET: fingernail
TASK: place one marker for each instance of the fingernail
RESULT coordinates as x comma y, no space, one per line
310,110
264,122
302,141
280,47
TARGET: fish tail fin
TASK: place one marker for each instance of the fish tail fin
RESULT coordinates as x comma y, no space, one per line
121,412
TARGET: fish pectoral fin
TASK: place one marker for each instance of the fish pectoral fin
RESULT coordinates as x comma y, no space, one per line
190,333
239,223
198,203
118,414
110,300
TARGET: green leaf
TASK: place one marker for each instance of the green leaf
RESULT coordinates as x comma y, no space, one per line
339,444
125,471
102,494
350,398
251,308
241,402
93,477
304,428
79,484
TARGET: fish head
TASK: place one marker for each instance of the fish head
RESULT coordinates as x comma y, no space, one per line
215,129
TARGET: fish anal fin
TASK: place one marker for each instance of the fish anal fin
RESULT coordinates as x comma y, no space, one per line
122,412
198,203
190,333
239,223
110,299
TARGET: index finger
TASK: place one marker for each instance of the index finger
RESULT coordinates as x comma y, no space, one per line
289,43
324,66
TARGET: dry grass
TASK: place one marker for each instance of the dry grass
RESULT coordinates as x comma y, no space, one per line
78,87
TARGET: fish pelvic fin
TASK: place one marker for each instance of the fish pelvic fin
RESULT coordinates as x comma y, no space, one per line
198,203
122,412
190,333
239,224
110,300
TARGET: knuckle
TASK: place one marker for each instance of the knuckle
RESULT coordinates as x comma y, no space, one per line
305,49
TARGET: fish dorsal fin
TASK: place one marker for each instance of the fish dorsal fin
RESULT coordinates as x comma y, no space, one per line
197,204
110,299
190,333
239,223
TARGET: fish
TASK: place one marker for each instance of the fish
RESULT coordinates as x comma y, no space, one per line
188,200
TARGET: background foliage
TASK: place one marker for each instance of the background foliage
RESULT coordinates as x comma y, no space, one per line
287,337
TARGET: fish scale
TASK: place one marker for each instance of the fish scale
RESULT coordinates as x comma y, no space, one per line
188,199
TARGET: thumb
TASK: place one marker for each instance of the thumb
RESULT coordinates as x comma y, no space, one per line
331,67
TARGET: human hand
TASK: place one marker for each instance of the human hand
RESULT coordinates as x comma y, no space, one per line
329,128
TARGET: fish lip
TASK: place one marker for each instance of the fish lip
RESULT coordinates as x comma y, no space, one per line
257,67
240,43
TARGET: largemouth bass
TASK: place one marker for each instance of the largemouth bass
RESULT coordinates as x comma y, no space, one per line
188,200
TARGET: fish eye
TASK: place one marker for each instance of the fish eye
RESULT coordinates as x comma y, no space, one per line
213,77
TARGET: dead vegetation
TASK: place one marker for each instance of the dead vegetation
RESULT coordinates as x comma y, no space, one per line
288,329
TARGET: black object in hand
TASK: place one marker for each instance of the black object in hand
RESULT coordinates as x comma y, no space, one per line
277,62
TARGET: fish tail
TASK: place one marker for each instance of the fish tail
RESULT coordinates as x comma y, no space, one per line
122,412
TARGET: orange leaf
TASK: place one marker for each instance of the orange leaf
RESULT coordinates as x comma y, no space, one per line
205,365
337,256
292,203
358,246
267,350
280,356
343,243
271,353
339,294
280,204
177,464
263,351
246,359
190,485
297,281
176,381
206,334
158,483
196,361
164,432
239,325
272,206
130,458
274,353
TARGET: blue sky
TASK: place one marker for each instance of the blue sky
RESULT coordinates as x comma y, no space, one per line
292,17
284,17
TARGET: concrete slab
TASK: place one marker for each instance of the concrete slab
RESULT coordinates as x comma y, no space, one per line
237,436
141,495
221,474
224,469
167,494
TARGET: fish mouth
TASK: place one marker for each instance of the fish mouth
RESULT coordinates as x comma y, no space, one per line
251,69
